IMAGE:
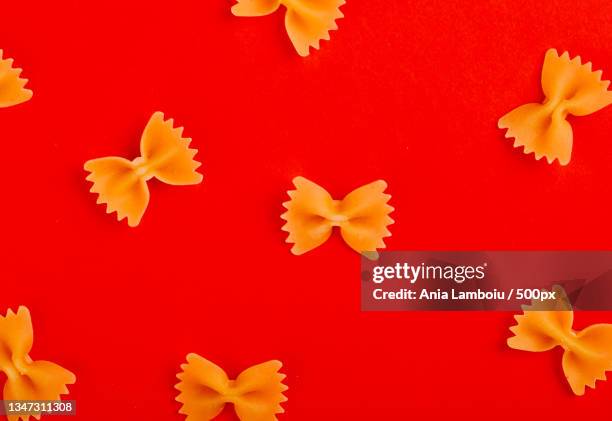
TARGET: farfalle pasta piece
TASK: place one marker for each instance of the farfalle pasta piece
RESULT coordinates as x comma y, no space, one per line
205,389
362,217
26,379
12,86
546,325
122,184
570,88
307,21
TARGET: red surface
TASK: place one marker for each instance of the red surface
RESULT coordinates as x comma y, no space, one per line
409,92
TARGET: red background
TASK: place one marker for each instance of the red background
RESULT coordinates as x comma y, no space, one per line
406,91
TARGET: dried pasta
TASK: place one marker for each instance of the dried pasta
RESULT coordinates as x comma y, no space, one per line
362,217
570,87
12,86
122,184
307,21
26,379
205,389
545,325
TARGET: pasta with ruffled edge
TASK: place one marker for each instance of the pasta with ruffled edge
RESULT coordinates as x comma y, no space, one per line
12,86
307,21
362,217
570,88
165,155
545,325
205,389
27,379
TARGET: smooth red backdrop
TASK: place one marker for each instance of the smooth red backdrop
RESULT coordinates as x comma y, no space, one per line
406,91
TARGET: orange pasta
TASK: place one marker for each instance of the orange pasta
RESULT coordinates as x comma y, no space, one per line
570,88
205,390
122,184
307,21
27,379
362,217
546,325
12,86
